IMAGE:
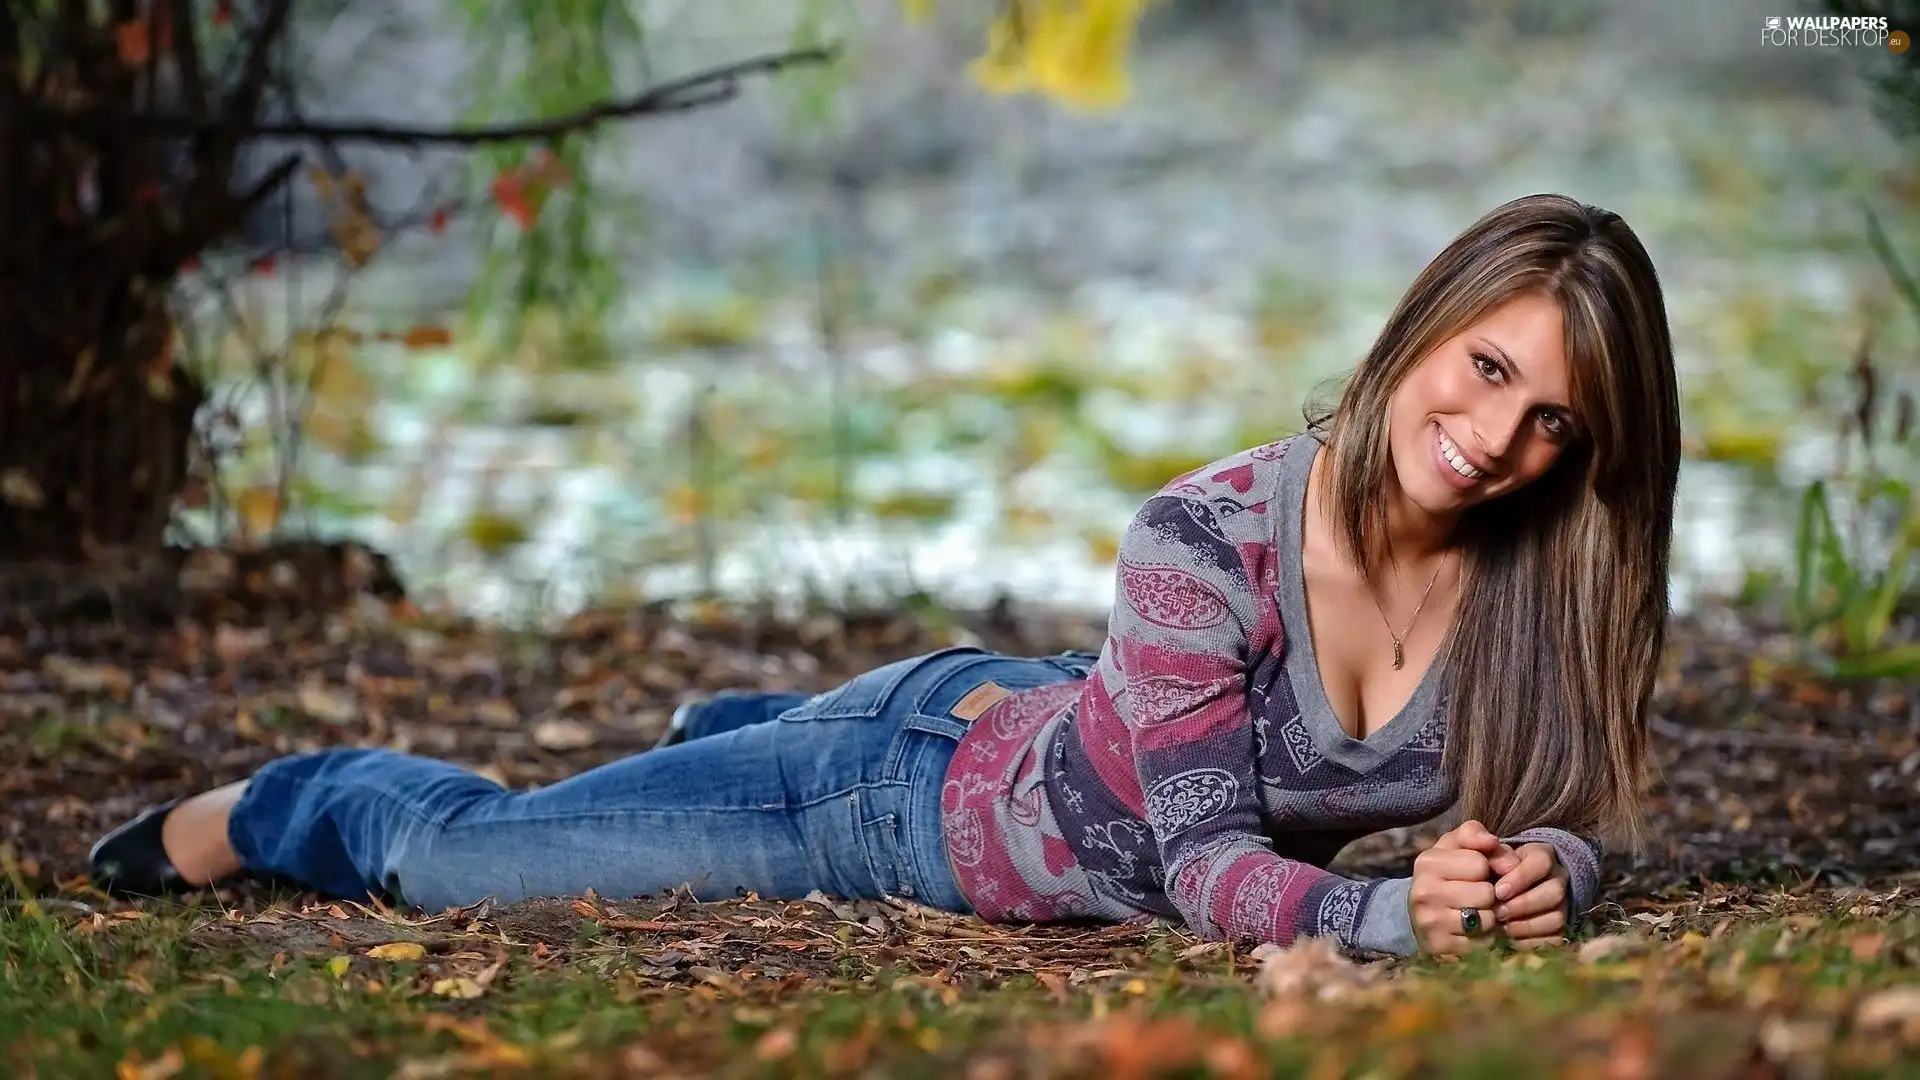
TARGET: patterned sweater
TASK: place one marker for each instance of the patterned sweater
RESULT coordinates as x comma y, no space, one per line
1199,772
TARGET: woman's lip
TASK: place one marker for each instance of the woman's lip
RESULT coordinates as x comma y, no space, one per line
1445,467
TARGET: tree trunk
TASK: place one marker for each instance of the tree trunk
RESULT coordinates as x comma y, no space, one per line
94,430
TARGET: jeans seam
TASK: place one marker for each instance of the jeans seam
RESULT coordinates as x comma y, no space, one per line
580,815
889,826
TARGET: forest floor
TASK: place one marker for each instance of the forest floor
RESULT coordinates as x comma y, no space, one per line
1771,927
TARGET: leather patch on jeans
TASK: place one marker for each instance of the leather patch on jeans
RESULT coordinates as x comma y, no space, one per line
979,700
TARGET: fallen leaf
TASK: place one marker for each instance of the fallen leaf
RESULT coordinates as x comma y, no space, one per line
81,677
1311,967
1632,1055
326,704
1866,947
1285,1018
132,1067
233,644
398,950
337,967
563,734
777,1043
1784,1039
458,988
1897,1006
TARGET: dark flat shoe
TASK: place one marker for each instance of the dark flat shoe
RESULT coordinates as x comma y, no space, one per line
676,732
130,860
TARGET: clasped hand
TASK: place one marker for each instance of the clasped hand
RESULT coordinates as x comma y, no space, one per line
1520,893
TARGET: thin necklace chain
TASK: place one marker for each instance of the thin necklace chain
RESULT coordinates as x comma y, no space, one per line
1399,650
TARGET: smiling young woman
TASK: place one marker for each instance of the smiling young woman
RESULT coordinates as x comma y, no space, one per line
1448,594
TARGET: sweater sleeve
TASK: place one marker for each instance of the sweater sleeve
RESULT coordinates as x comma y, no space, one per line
1184,608
1580,855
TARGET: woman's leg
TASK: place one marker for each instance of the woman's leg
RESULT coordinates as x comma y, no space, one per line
715,814
195,837
841,794
726,710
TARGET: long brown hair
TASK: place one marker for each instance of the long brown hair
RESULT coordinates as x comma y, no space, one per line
1557,636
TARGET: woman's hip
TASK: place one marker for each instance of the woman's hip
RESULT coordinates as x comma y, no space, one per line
893,732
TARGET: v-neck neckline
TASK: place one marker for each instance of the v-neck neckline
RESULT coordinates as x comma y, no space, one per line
1301,665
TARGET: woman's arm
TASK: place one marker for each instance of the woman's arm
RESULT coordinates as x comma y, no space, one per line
1185,603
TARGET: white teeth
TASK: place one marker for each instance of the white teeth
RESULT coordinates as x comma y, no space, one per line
1454,458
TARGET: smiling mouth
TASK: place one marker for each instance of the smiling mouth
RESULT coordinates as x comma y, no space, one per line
1451,452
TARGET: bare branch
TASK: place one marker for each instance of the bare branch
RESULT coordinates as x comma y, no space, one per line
270,183
186,57
677,95
245,100
11,145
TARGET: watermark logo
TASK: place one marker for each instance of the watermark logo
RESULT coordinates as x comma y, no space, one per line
1832,32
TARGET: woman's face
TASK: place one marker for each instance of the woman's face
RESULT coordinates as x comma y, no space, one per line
1487,412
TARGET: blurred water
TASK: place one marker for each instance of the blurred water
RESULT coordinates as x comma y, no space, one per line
1234,238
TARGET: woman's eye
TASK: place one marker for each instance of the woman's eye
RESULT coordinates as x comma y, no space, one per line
1555,424
1488,370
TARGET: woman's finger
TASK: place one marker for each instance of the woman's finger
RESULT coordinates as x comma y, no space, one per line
1503,861
1549,895
1459,894
1552,924
1453,864
1447,935
1474,837
1536,863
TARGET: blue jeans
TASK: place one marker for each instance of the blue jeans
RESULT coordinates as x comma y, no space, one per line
778,794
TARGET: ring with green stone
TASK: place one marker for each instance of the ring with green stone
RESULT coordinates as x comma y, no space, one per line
1469,920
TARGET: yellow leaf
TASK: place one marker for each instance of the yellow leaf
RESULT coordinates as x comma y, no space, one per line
1002,68
398,950
458,988
918,11
259,510
217,1061
338,386
494,533
337,967
1080,57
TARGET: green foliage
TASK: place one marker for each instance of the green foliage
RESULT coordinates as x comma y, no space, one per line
548,58
1846,593
1847,597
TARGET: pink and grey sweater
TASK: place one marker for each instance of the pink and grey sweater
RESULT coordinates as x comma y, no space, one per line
1199,772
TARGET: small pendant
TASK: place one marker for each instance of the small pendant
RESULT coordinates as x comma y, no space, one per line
1398,657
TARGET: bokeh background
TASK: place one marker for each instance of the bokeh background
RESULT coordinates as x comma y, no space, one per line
879,334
